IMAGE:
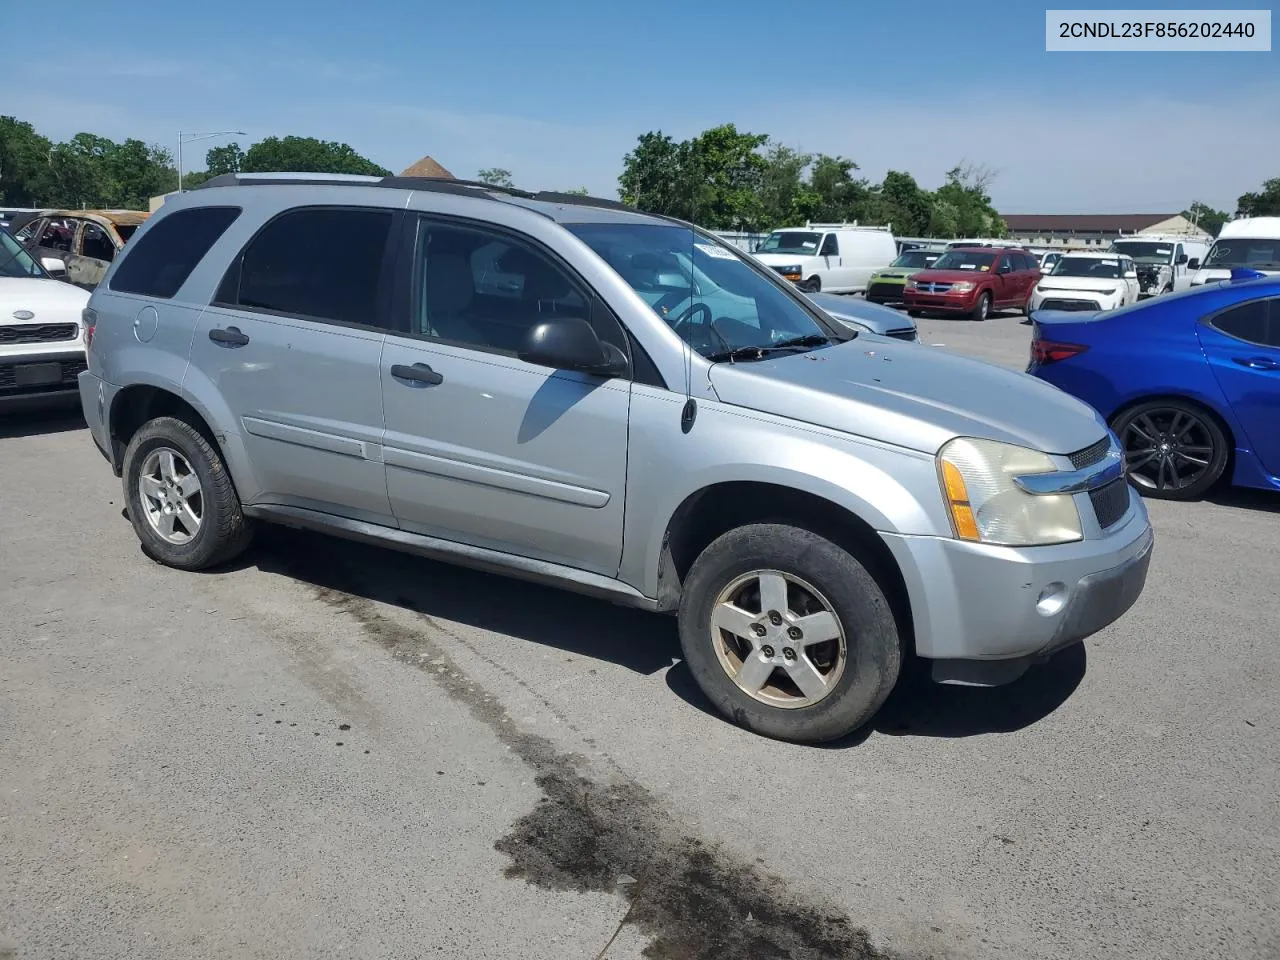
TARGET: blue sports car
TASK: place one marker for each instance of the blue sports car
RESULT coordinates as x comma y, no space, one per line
1190,382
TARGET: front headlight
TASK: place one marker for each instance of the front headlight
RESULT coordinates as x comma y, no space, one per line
987,506
913,283
962,286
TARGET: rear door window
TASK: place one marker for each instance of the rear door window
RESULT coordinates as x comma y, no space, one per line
318,263
1257,321
158,264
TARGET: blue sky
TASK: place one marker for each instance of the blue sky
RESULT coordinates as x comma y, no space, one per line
557,92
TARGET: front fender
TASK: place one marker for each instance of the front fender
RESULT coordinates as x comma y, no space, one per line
892,489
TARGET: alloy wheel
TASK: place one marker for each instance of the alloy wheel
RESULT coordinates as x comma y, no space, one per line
171,496
1167,449
778,638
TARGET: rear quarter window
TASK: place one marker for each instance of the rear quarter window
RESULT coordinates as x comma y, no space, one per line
158,263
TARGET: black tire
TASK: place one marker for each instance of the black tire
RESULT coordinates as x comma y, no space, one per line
914,313
873,648
981,309
1178,430
814,284
224,532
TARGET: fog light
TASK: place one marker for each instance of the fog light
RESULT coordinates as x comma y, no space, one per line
1052,599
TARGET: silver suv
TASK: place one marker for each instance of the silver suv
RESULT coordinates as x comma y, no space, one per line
563,389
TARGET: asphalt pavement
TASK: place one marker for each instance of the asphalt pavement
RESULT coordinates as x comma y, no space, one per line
333,750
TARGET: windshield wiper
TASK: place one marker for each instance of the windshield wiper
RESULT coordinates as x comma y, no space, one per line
759,353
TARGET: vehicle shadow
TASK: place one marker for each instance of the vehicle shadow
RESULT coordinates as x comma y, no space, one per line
642,642
31,418
918,707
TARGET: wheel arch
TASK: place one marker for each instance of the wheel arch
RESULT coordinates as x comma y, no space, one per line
719,507
1221,419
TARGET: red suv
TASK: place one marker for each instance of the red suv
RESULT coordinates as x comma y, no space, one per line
973,280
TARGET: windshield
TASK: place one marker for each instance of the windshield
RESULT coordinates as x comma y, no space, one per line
1260,254
706,292
915,258
1145,252
791,241
14,260
964,260
1087,267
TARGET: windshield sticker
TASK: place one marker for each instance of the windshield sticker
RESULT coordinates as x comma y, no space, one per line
1112,263
715,252
984,268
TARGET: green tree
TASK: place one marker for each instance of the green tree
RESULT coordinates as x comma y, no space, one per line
653,174
1206,217
726,170
1263,203
307,155
25,178
579,192
496,176
904,205
839,196
963,201
785,197
227,158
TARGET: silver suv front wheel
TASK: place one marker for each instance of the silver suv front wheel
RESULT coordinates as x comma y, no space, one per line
788,633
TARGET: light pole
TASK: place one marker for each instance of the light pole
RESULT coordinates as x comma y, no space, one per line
192,137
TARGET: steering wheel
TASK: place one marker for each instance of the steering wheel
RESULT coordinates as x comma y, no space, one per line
688,313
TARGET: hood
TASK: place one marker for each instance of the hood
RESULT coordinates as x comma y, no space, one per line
1083,284
50,301
878,318
896,273
948,276
910,396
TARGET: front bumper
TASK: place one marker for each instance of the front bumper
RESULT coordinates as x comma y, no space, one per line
985,611
1072,300
940,302
880,290
46,375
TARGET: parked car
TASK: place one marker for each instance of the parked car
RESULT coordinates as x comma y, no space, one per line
886,285
866,316
41,338
79,245
814,504
1250,243
973,282
1190,382
1088,281
835,257
1165,264
1049,259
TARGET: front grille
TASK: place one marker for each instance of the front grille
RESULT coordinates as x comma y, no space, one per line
1058,304
1110,502
938,287
38,333
884,291
903,333
1091,454
71,369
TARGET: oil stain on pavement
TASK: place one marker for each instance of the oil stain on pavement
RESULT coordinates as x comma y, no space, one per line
693,900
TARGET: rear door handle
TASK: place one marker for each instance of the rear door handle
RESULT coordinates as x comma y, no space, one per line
418,373
232,337
1257,363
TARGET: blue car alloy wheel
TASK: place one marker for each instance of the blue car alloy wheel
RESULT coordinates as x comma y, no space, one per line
1173,449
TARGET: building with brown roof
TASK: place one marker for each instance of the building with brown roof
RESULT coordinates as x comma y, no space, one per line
1094,229
427,167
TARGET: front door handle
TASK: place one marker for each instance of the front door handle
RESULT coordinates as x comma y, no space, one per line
231,337
418,373
1257,363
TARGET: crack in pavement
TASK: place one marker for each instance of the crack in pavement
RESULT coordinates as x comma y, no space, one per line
694,900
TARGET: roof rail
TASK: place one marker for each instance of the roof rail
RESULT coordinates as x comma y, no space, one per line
853,225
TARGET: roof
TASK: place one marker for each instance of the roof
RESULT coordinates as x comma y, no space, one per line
122,218
1084,222
1094,255
427,167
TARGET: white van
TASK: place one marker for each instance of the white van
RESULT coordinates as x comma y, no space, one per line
1251,242
1165,264
831,257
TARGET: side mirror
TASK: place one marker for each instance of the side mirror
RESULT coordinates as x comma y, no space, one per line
1181,260
568,343
1193,263
53,265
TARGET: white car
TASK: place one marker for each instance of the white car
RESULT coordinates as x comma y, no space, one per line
42,340
1087,281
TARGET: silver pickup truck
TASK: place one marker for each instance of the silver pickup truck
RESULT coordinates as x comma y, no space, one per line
564,389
